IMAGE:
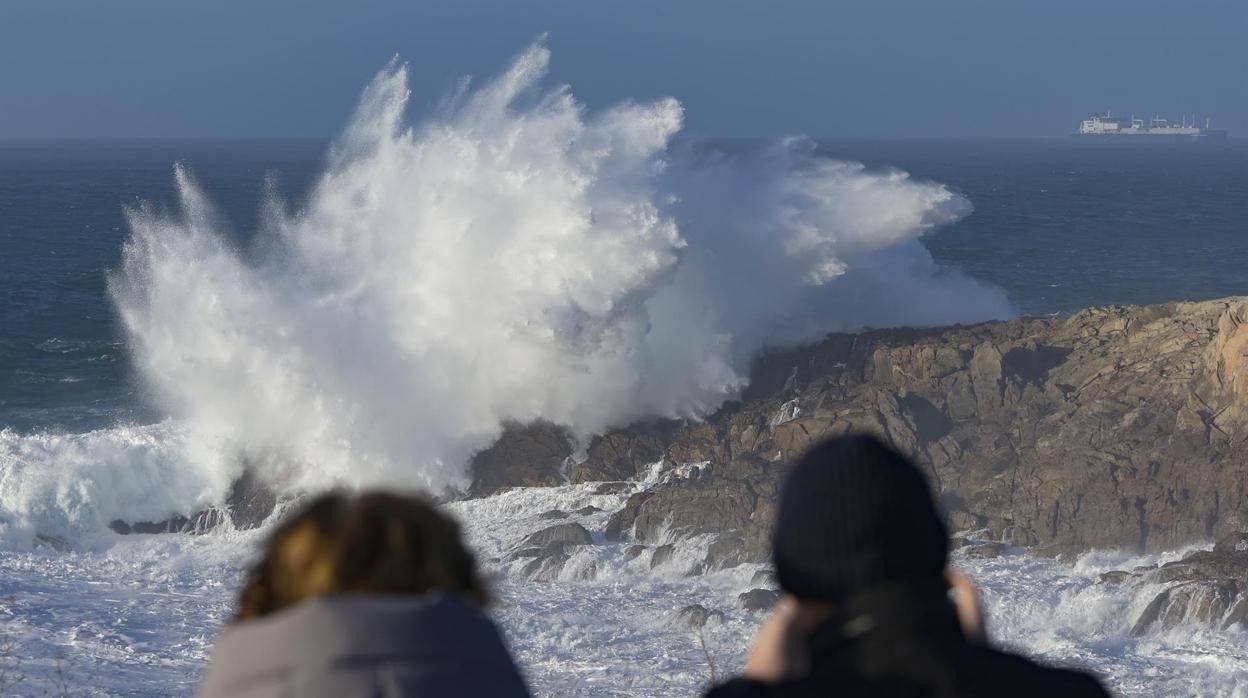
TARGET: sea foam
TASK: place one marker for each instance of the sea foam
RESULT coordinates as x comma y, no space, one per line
512,256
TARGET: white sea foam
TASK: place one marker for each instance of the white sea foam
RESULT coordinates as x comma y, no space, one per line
512,256
73,485
137,615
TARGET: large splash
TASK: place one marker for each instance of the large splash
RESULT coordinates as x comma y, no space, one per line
513,256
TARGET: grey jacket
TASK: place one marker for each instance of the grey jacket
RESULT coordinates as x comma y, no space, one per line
364,646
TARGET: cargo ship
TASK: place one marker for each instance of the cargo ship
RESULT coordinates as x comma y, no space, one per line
1116,128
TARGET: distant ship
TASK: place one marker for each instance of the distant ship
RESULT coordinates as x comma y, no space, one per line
1116,128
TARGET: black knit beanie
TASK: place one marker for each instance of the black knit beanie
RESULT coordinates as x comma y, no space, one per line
854,514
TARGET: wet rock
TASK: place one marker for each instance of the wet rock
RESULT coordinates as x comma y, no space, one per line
1208,587
1019,535
614,488
553,514
982,551
546,566
1116,576
568,533
1206,602
1236,542
531,552
624,454
248,504
251,501
731,548
661,555
585,571
737,496
758,599
532,455
632,552
1118,427
1238,617
765,579
551,562
696,616
588,510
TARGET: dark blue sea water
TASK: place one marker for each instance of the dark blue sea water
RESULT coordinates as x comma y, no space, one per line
1060,225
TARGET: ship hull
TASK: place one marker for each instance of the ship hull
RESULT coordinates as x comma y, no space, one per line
1204,137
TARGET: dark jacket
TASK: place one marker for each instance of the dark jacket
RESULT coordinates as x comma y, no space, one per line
364,646
915,652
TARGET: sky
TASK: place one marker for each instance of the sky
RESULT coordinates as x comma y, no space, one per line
824,68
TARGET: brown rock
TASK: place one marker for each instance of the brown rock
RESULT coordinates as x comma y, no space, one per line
524,456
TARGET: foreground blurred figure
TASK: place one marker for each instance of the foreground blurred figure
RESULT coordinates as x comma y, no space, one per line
860,553
369,595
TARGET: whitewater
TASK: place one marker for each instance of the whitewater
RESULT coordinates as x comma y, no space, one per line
136,615
510,256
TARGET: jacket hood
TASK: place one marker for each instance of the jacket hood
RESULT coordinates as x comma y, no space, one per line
365,646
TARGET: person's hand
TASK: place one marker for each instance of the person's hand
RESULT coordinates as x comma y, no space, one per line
778,653
968,605
779,650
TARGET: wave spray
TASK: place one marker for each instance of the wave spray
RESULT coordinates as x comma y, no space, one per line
511,257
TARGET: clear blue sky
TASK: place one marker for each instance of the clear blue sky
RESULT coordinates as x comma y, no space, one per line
914,68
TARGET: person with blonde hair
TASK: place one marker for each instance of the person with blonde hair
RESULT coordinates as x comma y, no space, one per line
368,595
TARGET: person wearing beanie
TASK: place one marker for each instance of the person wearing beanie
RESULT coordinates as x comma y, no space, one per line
861,556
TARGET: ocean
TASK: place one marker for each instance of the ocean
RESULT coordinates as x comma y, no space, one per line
110,390
1060,225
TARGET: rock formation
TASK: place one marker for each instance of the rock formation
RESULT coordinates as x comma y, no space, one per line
1118,427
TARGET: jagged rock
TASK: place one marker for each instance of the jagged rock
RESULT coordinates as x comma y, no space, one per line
566,533
524,456
1207,586
696,616
553,514
759,599
1119,427
248,504
1202,602
739,496
622,455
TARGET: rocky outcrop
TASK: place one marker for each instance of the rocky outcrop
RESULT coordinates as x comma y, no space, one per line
532,456
249,502
1116,427
565,533
758,599
1207,586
